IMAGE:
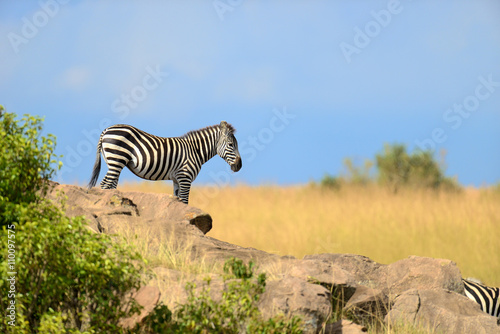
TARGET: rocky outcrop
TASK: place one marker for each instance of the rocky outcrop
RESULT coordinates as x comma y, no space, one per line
440,309
319,288
105,209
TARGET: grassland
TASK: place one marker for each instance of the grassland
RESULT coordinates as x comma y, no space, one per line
371,221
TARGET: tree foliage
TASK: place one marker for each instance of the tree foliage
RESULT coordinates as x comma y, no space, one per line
63,278
397,168
26,162
358,174
65,269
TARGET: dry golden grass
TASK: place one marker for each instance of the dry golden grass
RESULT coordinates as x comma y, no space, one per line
371,221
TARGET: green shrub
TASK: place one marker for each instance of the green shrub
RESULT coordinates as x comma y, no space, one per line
331,182
353,174
62,276
357,174
237,269
64,267
157,321
26,163
397,168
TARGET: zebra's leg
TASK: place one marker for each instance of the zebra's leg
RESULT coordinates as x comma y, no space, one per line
176,188
184,188
110,181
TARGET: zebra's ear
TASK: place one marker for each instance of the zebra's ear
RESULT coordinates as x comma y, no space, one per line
223,125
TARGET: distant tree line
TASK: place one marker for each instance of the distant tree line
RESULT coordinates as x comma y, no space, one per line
395,168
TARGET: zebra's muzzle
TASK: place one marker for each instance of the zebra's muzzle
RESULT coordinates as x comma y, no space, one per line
237,165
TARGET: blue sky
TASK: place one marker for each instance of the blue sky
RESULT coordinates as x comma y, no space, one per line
305,83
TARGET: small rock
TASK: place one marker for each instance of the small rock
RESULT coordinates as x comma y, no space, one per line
421,273
322,272
292,296
148,297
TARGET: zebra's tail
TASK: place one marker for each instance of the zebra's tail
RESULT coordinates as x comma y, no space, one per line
97,165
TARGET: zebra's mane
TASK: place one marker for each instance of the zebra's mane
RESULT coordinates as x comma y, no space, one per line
232,130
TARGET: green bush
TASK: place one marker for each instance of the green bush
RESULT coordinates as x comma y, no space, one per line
62,276
26,163
353,174
236,312
236,268
397,168
356,174
331,182
64,267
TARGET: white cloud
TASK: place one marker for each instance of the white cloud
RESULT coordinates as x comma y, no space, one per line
75,78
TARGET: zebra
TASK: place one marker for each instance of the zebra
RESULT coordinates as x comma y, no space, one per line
162,158
486,297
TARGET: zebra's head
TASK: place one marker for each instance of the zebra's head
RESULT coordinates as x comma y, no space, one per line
227,146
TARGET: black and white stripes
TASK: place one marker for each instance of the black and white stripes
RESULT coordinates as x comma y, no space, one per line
486,297
159,158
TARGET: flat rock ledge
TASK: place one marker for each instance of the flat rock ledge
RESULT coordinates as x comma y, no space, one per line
422,291
105,209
